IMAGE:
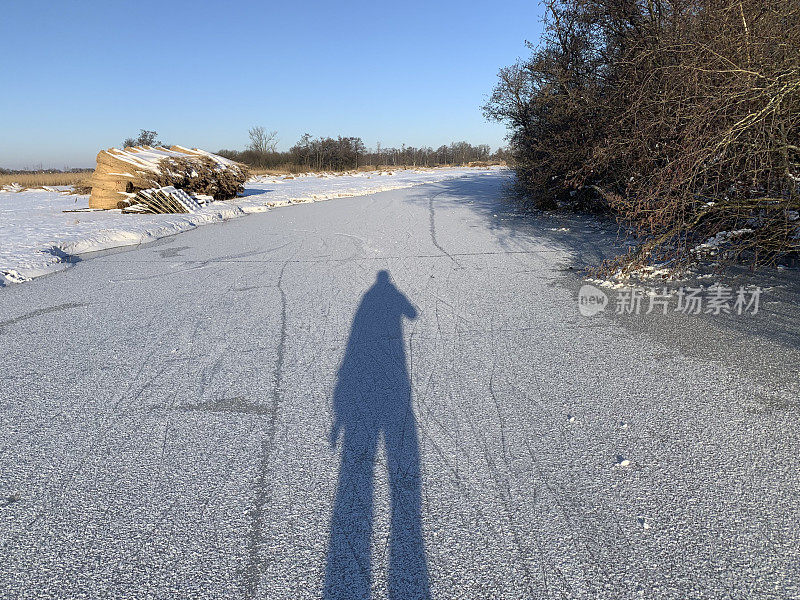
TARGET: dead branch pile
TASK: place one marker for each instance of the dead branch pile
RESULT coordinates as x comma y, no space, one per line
120,174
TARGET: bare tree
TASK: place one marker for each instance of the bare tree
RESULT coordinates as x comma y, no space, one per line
145,138
349,152
262,141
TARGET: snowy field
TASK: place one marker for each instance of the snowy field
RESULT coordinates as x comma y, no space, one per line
40,230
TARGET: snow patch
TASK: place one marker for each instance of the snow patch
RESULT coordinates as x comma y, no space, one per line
12,188
13,276
623,462
712,245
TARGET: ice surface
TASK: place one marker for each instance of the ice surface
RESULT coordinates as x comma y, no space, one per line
36,235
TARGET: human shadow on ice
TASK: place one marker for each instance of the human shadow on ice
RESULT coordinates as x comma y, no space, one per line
372,401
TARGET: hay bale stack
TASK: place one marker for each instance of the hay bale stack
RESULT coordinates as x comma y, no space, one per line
120,174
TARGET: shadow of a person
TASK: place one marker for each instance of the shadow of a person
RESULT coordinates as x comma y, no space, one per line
372,399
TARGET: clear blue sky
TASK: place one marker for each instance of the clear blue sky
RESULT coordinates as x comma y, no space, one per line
80,76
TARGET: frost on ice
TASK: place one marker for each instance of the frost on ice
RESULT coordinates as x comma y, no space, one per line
36,232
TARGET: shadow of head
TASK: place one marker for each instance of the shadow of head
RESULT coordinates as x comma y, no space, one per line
379,315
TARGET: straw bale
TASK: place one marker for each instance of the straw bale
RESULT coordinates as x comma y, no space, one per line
122,173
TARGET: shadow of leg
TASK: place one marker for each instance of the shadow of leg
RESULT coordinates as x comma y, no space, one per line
348,572
408,570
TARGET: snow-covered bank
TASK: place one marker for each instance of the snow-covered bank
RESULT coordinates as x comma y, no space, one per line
36,234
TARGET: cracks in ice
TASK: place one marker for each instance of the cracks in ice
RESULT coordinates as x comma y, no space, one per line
41,311
432,227
254,563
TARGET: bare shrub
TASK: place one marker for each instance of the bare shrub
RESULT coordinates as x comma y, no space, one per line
683,117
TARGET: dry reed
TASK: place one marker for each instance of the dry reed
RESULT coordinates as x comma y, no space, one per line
35,179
